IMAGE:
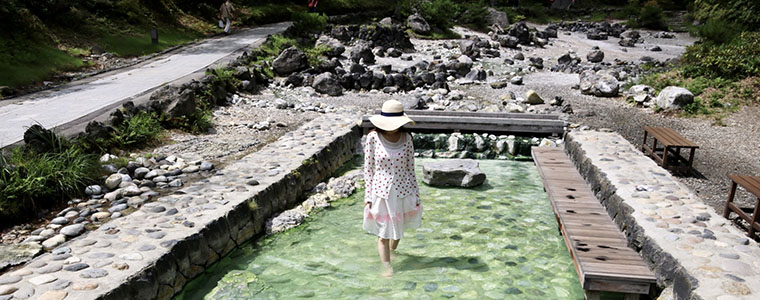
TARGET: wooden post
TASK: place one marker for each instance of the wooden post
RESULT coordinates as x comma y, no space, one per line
631,296
665,157
731,193
691,156
592,295
645,140
154,36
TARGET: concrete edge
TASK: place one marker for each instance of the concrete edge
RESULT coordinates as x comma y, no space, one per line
668,270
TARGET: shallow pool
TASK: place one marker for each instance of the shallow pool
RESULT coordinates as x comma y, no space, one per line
497,241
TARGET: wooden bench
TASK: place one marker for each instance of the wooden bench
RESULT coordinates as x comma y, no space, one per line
672,144
497,123
599,250
752,185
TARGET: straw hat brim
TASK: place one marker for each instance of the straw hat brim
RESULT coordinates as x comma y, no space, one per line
390,123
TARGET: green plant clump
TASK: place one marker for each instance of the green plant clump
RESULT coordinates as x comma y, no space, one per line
739,58
138,130
304,22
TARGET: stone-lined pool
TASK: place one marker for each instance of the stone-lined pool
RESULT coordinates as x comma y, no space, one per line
496,241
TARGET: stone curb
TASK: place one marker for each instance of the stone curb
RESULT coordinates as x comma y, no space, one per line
671,264
153,252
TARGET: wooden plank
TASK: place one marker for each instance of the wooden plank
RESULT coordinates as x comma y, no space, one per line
669,137
750,183
600,252
416,112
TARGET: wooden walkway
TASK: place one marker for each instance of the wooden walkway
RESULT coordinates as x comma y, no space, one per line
504,123
599,250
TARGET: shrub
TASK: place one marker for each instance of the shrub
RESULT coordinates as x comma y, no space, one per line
138,130
31,181
315,54
744,12
474,15
651,16
739,58
304,22
439,13
717,31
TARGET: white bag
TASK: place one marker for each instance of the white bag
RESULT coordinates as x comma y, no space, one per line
221,24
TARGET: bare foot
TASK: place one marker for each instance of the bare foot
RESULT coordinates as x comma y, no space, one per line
388,270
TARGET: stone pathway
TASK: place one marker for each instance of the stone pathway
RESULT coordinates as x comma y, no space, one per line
56,108
681,237
153,252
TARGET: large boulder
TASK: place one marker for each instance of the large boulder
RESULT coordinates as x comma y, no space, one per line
327,83
453,172
496,17
418,24
674,97
521,32
508,41
173,101
290,60
606,86
362,53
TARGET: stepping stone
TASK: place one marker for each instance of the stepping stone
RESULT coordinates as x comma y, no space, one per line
73,230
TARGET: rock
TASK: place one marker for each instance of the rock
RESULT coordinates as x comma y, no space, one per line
60,221
100,216
655,49
289,61
93,190
499,84
93,273
335,48
674,97
387,21
627,42
54,241
141,172
606,86
173,101
588,79
192,169
418,24
393,52
517,80
518,56
327,83
11,255
476,75
568,59
73,230
53,295
531,97
640,94
362,53
113,181
537,62
206,166
596,35
132,190
664,35
454,172
497,17
521,31
176,183
595,56
284,221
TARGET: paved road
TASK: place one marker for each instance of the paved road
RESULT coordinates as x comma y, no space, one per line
57,108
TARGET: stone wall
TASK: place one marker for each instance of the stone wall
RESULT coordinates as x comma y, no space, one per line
154,251
694,252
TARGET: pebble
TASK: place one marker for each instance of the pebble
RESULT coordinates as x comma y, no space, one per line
85,286
117,208
49,269
157,235
9,279
93,273
60,221
93,190
191,169
121,266
53,295
24,293
131,256
42,279
157,209
100,216
76,267
205,166
146,247
175,183
73,230
54,241
6,290
430,287
60,284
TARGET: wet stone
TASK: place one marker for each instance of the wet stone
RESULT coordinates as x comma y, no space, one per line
430,287
76,267
93,273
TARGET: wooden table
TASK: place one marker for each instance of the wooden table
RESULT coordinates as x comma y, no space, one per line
752,185
672,143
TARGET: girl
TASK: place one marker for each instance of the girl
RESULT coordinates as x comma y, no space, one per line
391,201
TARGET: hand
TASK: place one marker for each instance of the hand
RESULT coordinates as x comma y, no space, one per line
368,203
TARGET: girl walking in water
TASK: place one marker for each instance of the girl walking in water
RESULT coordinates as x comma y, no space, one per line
391,200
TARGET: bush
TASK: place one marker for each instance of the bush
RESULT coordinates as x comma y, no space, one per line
304,22
739,58
474,15
31,181
717,31
744,12
138,130
651,16
439,13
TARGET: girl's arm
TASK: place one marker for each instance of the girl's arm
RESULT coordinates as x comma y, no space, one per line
410,164
369,166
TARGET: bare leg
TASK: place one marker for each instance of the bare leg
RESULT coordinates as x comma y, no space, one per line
394,244
383,248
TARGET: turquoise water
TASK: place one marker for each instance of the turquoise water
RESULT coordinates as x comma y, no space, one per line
496,241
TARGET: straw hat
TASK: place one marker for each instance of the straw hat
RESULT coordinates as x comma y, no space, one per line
391,116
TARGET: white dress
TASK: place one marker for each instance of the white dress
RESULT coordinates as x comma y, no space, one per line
391,187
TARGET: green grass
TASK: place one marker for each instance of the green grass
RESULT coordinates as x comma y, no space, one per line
141,44
23,63
138,131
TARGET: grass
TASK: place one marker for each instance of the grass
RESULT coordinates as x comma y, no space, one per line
23,63
138,131
134,44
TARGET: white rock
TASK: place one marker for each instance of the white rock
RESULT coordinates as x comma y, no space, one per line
113,181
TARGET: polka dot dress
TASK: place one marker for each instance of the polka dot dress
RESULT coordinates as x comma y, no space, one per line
391,187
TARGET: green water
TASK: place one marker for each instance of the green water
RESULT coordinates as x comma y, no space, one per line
497,241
